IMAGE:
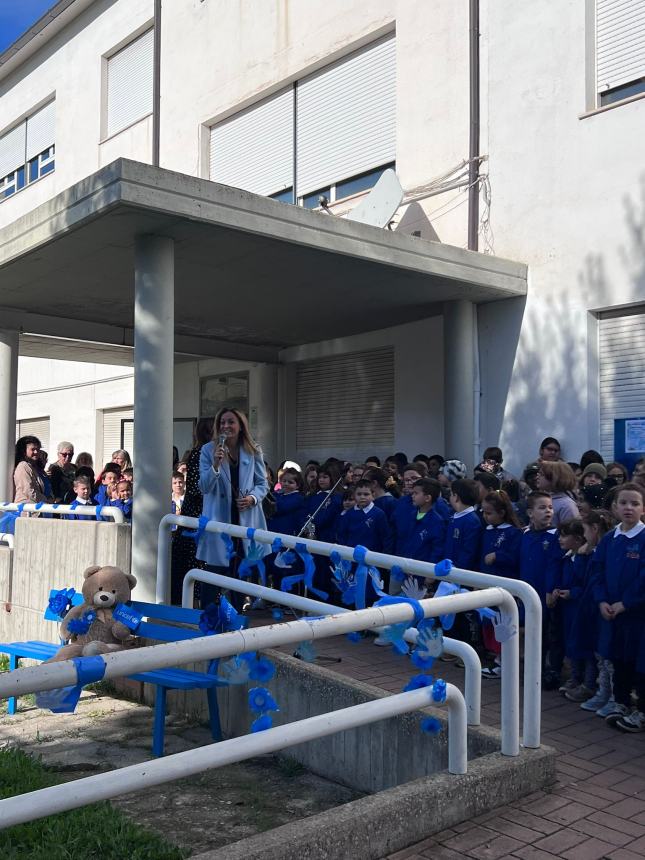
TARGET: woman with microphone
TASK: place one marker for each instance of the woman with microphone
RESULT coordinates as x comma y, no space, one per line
232,478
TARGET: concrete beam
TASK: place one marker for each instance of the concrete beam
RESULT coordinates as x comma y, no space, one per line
459,323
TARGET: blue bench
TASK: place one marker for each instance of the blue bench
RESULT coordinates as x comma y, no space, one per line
163,679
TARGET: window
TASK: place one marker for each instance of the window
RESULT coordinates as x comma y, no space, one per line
38,427
218,391
332,132
27,151
118,432
129,84
620,49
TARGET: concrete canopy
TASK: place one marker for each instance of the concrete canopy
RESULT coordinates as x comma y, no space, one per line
252,275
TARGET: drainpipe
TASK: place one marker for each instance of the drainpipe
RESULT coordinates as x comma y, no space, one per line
156,84
473,149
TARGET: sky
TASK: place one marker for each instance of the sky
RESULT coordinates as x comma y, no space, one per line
16,16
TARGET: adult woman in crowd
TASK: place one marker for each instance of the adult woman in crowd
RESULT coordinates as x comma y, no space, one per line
84,459
28,477
183,546
559,479
122,459
550,450
232,478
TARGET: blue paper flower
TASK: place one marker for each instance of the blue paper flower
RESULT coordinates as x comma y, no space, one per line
262,723
443,568
417,682
235,670
430,725
80,626
209,619
261,700
421,662
439,691
261,670
61,601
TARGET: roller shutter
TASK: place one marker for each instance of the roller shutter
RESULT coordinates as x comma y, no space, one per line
345,404
620,42
117,432
129,83
12,150
622,374
41,130
38,427
253,150
346,117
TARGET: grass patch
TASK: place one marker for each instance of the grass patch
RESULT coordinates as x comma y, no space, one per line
4,662
97,832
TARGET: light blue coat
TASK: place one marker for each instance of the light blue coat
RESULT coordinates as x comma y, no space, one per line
216,488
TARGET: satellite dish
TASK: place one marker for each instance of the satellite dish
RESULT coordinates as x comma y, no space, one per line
379,206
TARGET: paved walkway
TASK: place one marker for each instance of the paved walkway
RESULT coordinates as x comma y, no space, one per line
596,808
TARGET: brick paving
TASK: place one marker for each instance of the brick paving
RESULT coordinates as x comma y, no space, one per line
596,808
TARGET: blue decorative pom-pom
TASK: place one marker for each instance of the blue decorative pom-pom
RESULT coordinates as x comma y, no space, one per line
261,700
439,691
417,682
262,723
443,568
261,670
277,614
430,725
61,601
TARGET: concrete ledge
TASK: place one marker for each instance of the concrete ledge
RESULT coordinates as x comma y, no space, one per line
378,825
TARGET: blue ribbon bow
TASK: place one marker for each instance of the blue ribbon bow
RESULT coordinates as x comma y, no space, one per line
254,558
307,577
197,533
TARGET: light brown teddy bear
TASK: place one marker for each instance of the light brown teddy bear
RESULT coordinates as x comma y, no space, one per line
103,588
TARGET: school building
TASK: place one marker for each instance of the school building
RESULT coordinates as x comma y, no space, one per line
176,192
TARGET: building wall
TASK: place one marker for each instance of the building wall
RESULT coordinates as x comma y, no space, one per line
566,190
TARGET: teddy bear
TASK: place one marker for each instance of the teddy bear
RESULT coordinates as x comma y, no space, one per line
90,628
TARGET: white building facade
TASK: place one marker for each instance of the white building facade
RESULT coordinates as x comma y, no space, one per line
296,100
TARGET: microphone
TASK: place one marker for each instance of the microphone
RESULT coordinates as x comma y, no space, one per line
221,442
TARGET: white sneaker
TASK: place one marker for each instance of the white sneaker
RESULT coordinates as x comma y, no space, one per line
381,641
635,722
599,700
620,711
609,708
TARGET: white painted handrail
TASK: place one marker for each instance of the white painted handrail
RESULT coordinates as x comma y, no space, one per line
138,777
50,676
520,590
115,514
472,663
7,540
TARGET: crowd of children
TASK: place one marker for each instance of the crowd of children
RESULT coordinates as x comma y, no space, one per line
575,533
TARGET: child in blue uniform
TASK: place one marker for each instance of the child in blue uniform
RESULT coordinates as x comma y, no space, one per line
382,498
123,499
583,639
402,516
501,539
425,537
82,496
325,522
620,595
563,600
463,535
540,556
290,504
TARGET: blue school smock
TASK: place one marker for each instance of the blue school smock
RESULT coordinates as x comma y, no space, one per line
401,521
100,497
463,538
425,537
124,505
74,516
368,528
540,555
621,577
326,519
290,515
582,640
387,504
442,508
572,575
504,540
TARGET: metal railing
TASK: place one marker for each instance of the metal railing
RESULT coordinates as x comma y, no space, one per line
48,676
472,663
520,590
115,514
59,798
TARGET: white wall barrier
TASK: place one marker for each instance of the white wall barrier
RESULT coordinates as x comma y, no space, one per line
114,514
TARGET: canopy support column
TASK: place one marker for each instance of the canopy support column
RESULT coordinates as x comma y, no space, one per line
154,322
460,371
8,398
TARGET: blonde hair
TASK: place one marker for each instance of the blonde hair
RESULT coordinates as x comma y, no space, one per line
560,476
246,440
